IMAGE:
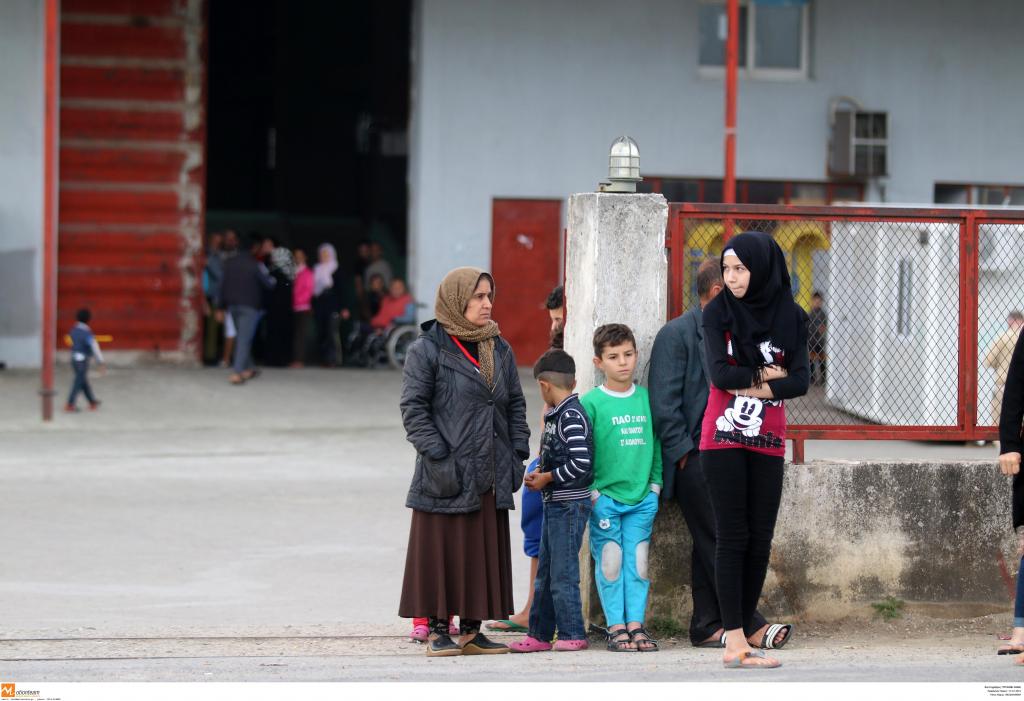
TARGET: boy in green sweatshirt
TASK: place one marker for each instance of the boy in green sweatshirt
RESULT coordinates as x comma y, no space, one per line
627,482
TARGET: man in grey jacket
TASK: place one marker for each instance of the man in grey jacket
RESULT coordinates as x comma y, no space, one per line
678,387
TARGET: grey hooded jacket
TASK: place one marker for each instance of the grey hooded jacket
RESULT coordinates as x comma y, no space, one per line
469,439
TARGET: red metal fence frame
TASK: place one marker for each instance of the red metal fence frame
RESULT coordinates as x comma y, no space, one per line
969,220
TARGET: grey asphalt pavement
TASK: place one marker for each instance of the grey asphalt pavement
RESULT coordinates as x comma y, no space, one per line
190,530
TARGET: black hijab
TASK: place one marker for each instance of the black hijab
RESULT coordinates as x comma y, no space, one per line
767,310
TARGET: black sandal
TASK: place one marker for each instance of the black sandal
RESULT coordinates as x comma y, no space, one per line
648,639
616,645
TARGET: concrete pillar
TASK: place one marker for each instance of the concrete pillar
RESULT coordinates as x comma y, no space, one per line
616,271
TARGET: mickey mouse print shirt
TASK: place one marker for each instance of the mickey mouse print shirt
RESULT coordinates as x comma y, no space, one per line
748,423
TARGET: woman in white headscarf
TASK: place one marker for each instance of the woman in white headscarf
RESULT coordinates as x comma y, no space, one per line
325,303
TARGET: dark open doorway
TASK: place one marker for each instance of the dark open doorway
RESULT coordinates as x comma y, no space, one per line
307,122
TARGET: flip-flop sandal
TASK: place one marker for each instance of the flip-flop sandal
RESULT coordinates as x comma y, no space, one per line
1011,649
768,639
713,643
737,662
506,626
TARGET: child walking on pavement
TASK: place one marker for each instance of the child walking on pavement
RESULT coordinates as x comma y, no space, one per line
83,347
563,477
627,482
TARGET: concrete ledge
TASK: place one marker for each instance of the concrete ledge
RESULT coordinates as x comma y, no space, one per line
853,533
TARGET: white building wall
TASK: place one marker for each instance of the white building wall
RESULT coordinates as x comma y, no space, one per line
522,99
21,181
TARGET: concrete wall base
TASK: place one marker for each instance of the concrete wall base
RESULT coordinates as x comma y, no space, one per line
850,534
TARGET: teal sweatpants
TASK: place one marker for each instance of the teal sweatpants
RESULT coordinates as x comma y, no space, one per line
620,537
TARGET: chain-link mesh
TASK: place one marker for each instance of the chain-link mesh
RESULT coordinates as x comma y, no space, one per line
1000,303
885,323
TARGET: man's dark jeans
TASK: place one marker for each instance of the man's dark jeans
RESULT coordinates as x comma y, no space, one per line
556,593
691,492
246,320
81,383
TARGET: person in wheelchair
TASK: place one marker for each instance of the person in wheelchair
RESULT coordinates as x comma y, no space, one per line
370,340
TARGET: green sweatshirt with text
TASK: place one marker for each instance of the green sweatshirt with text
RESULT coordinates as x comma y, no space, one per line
627,456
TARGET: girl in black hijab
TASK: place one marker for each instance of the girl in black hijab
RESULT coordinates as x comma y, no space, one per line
755,336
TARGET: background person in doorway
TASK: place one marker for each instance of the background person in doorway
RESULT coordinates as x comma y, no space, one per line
325,304
302,307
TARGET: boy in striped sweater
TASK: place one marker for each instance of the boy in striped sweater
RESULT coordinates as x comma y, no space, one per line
563,478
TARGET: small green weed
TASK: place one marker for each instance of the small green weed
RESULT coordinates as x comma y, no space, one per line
664,627
889,608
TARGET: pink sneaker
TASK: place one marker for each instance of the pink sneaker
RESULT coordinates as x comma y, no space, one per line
452,628
571,645
529,644
420,634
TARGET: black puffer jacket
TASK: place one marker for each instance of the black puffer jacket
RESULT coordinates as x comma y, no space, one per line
469,438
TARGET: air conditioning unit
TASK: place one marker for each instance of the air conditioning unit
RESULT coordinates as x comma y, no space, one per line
859,147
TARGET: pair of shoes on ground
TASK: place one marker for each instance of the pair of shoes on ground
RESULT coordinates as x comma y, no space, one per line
531,644
444,646
623,640
72,409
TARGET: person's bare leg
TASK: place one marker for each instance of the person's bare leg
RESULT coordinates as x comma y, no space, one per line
523,617
229,349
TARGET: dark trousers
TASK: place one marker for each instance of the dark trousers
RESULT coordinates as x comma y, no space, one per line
694,499
246,321
303,320
746,489
81,382
556,591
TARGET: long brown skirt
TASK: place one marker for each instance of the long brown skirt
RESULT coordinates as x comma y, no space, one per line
459,565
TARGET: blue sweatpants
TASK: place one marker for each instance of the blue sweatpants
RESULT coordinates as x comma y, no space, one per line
620,538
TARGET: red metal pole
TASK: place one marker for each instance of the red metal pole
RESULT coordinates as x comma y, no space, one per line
731,67
798,451
51,49
968,381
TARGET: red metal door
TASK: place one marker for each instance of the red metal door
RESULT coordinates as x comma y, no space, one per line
526,263
131,170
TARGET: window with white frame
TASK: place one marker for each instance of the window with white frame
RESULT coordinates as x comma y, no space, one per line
773,38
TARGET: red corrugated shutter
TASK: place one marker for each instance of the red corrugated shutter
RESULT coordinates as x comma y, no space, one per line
132,170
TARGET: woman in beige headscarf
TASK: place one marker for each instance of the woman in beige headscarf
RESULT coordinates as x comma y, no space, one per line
464,412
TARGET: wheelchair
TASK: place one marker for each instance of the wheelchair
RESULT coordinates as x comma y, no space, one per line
373,348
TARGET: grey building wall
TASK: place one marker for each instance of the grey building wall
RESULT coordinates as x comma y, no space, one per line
523,99
21,180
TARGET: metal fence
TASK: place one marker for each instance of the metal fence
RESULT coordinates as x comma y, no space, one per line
910,332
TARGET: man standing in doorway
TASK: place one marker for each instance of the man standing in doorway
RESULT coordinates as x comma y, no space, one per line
997,358
679,389
242,291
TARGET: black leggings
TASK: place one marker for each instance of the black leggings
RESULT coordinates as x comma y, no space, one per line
746,489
